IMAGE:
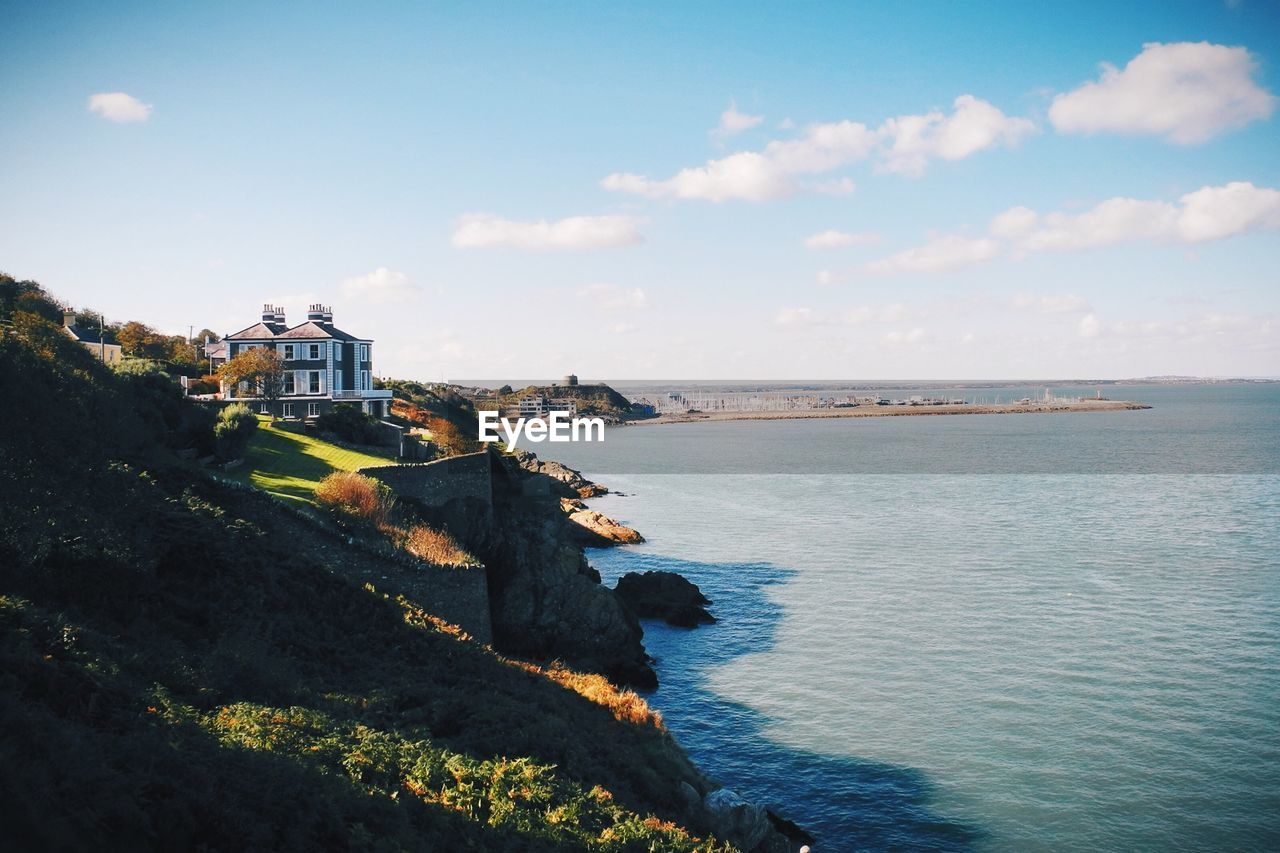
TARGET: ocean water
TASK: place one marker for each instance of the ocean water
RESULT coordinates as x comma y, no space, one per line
1007,632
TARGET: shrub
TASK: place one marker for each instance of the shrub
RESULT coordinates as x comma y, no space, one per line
436,546
356,496
349,424
203,385
233,430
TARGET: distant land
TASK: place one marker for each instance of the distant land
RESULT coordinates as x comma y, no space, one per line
634,386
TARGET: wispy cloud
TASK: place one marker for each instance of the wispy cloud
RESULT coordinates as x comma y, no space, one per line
904,145
942,254
119,107
833,239
614,297
1209,213
381,285
733,122
486,231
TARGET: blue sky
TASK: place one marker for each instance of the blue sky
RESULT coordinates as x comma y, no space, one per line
442,177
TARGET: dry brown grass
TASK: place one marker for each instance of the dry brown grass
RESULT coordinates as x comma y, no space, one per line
357,495
435,546
626,705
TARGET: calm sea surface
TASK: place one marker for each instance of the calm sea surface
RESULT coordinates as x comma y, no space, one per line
1004,632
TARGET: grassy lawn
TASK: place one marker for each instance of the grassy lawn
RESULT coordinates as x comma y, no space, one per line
291,465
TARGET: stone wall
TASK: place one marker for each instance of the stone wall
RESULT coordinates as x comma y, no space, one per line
437,483
454,491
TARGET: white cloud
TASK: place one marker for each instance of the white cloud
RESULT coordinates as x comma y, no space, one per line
832,239
770,173
1014,222
381,285
733,122
1209,213
613,297
486,231
823,147
942,254
859,315
1089,326
800,317
1051,304
912,336
119,107
1187,92
974,125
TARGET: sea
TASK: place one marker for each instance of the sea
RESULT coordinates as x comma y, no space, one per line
981,632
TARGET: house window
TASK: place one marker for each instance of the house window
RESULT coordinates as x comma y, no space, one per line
290,352
364,380
264,409
337,352
313,410
313,382
289,383
364,352
288,410
313,352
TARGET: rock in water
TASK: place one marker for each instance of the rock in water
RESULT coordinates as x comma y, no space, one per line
743,823
595,529
666,596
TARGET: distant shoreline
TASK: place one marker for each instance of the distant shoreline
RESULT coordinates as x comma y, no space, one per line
872,411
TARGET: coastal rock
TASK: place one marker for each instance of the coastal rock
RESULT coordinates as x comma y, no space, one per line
568,482
744,824
545,600
665,595
596,529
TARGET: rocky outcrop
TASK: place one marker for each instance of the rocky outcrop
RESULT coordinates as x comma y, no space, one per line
595,529
568,482
664,595
545,600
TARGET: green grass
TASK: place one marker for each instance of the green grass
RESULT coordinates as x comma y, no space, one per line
290,465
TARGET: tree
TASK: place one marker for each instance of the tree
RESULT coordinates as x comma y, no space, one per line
261,369
139,339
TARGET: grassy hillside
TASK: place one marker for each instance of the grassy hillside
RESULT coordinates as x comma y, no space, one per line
175,672
291,464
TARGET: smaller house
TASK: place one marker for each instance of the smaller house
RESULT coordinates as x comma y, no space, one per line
94,341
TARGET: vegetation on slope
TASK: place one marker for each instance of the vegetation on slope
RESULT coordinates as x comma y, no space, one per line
173,675
291,464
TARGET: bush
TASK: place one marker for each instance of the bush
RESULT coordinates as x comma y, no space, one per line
355,496
203,385
436,546
234,428
349,424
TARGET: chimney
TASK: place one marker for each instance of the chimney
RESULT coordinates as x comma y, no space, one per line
280,315
68,318
268,313
315,314
328,316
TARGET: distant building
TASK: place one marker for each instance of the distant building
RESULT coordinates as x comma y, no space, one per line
92,340
323,365
533,406
570,379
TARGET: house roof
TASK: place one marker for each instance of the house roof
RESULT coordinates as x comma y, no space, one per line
215,349
257,332
86,336
311,329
